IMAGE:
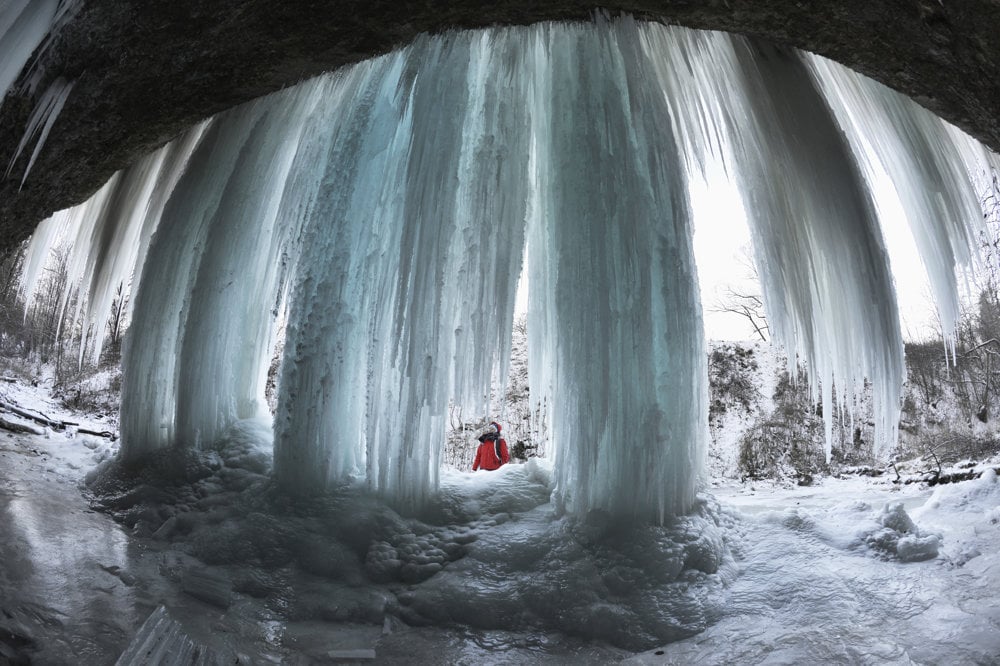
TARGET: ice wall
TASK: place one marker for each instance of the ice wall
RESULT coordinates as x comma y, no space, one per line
404,292
388,206
614,291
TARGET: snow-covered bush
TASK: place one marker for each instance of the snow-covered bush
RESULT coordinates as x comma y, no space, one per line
93,391
788,441
732,375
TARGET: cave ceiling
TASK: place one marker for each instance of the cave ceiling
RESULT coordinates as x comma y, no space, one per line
144,71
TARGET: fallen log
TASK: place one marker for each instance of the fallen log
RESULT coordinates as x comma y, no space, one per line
21,428
37,418
98,433
933,478
52,423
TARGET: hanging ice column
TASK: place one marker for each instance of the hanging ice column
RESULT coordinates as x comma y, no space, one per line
819,252
929,168
829,291
405,286
199,345
393,195
614,307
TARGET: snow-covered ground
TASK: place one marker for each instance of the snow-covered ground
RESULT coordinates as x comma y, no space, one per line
853,570
856,572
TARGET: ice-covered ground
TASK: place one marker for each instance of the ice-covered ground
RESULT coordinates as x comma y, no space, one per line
850,571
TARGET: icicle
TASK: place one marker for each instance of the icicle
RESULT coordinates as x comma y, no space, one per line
122,234
47,234
152,359
23,26
34,73
228,335
108,235
818,249
42,118
826,273
320,422
380,335
929,170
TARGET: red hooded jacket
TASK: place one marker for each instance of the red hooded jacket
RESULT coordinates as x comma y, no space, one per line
492,453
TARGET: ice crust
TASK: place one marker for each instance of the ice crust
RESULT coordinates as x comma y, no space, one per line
489,552
386,207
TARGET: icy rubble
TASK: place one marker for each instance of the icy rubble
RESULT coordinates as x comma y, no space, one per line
488,551
161,641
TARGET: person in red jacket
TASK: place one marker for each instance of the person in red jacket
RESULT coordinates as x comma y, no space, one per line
492,452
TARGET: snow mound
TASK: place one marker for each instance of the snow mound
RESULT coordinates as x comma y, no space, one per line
964,497
631,586
899,538
888,533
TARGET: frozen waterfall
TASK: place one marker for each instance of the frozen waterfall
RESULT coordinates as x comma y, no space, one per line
383,212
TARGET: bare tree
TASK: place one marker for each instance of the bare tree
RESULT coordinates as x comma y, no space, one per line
111,354
745,299
976,379
748,305
989,236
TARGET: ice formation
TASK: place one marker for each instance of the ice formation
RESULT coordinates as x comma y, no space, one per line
24,25
615,312
929,169
27,27
386,207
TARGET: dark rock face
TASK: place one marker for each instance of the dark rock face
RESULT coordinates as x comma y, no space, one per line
146,70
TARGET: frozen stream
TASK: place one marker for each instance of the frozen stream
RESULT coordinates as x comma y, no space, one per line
808,575
59,591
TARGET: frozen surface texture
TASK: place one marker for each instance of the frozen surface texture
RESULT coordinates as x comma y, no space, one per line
487,551
383,212
815,587
851,571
